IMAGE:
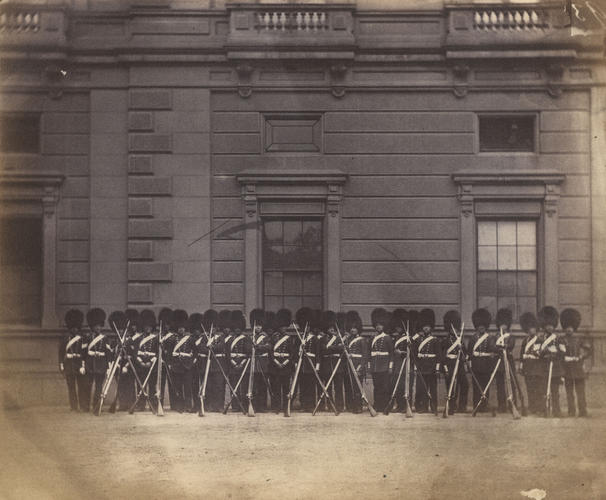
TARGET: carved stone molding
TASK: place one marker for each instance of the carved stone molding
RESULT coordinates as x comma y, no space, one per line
337,77
460,73
244,72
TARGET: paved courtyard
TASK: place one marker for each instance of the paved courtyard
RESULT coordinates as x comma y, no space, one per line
50,453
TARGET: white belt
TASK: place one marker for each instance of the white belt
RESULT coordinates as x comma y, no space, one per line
98,353
379,353
219,355
238,355
356,355
451,356
483,354
148,353
281,354
529,356
311,354
427,355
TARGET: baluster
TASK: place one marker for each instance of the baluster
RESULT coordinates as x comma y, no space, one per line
299,20
282,21
526,19
500,19
273,20
323,21
307,21
518,19
477,19
493,20
486,20
19,21
534,17
314,20
509,20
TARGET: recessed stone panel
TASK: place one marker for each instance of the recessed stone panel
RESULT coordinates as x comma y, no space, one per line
140,164
150,99
140,293
154,186
150,271
140,207
143,121
150,143
143,229
140,250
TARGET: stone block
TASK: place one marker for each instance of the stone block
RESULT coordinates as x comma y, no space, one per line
108,123
108,186
108,251
140,207
143,229
152,186
75,187
107,272
150,99
74,208
72,229
140,250
141,121
107,144
66,123
107,100
72,293
140,164
150,271
73,251
72,272
140,293
108,208
109,164
150,143
185,143
102,229
65,144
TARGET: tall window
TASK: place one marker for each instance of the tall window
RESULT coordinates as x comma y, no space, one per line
19,133
507,266
292,264
20,270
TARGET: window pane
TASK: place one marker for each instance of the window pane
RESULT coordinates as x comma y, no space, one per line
489,303
292,232
273,283
506,283
313,302
293,284
487,258
273,257
507,133
312,284
506,233
312,235
507,303
527,233
487,283
272,302
293,302
527,284
487,233
273,232
527,258
527,304
507,258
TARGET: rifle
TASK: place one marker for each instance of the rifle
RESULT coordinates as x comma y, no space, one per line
251,375
371,410
214,356
315,372
395,388
548,408
420,376
453,375
145,382
293,384
407,378
483,397
518,390
332,376
109,377
508,387
202,393
160,411
234,391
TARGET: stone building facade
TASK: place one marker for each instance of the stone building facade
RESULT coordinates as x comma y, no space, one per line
337,155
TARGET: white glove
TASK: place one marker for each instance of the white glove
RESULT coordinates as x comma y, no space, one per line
82,370
61,367
437,367
125,369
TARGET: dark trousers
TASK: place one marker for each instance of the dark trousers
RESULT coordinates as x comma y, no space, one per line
182,391
241,391
353,396
536,393
260,392
72,394
97,380
197,379
215,391
84,390
575,385
150,388
381,393
335,390
280,386
460,391
422,401
555,394
126,390
483,379
307,391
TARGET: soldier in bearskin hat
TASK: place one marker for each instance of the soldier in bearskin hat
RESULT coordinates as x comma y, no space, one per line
451,349
381,357
282,359
359,350
331,352
505,342
219,364
399,319
239,353
125,380
98,355
428,352
577,351
71,359
195,329
483,353
180,361
311,319
530,363
147,352
262,349
132,338
552,354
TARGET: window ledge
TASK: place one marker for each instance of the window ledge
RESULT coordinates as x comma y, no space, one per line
289,176
508,177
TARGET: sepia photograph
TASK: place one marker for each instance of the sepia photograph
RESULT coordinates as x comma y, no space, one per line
304,249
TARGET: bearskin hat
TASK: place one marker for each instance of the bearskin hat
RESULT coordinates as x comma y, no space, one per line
427,318
353,320
210,319
413,321
117,318
147,318
340,320
329,318
399,317
74,318
132,315
481,317
237,320
504,317
548,315
271,323
195,322
164,317
96,316
451,320
570,318
303,317
283,318
224,319
179,319
256,316
380,316
528,321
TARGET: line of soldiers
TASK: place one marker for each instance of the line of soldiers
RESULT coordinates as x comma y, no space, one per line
325,361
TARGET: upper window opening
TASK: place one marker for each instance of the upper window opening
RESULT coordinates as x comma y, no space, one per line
19,133
507,133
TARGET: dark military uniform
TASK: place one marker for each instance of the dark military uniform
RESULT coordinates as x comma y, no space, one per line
263,348
360,354
71,359
147,352
283,358
99,354
577,351
428,353
482,350
307,379
451,350
181,363
503,321
239,353
551,354
381,358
